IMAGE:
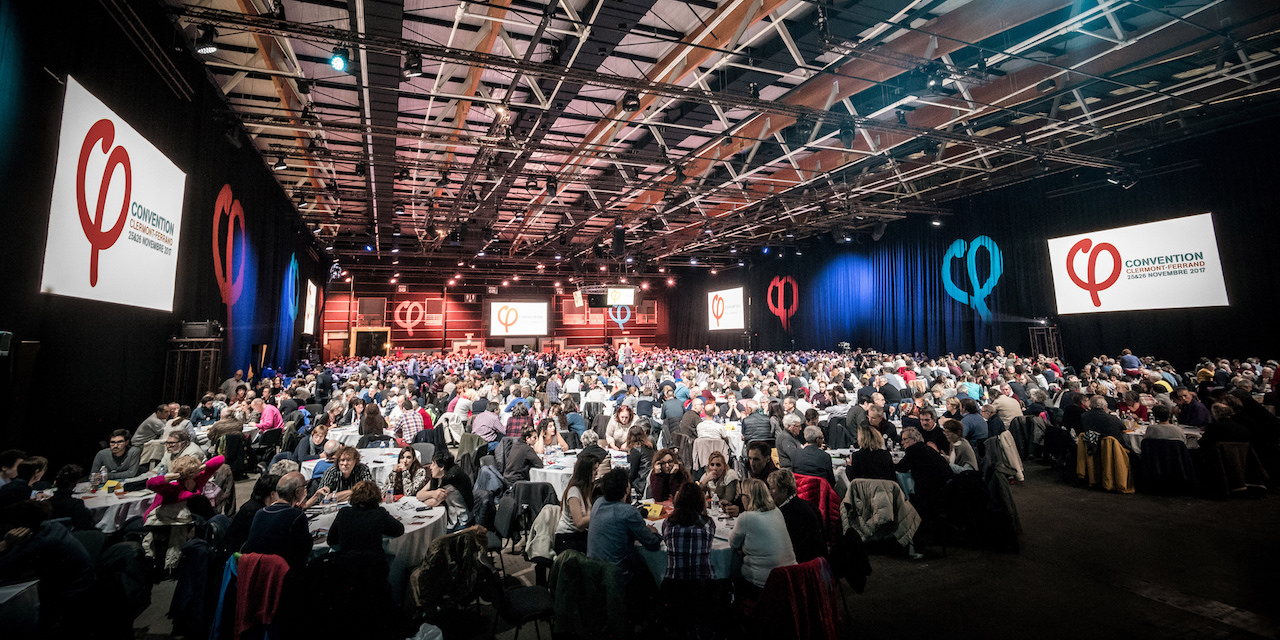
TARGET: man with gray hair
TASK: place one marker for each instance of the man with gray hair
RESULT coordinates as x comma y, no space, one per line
812,459
1099,419
787,439
280,528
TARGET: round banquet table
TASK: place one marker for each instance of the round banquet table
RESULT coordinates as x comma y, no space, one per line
346,436
379,461
1133,438
724,562
404,552
109,510
558,473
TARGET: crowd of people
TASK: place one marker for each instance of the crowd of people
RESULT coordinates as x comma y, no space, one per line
929,417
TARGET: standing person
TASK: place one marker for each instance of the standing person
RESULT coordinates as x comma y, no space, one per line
761,536
120,458
575,514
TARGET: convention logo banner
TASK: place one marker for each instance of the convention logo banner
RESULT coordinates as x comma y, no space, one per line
1171,264
725,309
518,319
115,217
968,251
778,299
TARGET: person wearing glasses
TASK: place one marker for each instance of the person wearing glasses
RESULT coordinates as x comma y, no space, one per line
176,445
120,459
668,474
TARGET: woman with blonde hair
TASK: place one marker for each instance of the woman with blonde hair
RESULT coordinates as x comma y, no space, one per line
171,507
720,481
760,535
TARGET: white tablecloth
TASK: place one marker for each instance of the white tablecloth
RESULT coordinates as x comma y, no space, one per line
380,462
346,436
559,473
724,561
1133,439
110,511
406,551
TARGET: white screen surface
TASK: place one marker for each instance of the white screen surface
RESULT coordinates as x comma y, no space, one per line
1171,264
116,213
725,310
309,314
621,296
517,318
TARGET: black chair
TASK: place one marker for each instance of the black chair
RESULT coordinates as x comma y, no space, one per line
267,446
517,606
1166,467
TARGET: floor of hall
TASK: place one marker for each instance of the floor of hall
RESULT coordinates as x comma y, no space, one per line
1091,564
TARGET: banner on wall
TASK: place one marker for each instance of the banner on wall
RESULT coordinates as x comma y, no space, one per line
621,296
116,212
725,309
517,318
309,314
1171,264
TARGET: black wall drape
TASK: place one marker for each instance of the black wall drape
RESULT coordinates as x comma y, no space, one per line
82,368
891,294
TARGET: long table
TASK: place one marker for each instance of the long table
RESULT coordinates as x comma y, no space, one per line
110,510
405,552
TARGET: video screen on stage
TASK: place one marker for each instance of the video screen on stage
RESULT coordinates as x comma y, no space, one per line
612,297
725,310
517,318
1171,264
116,212
309,315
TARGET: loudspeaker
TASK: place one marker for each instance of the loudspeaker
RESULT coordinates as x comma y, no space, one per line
619,242
205,329
6,339
877,231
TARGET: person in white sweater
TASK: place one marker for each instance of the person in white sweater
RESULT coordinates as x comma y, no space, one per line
760,535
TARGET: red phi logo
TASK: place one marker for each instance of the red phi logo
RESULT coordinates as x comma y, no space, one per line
224,256
1091,284
409,314
507,316
99,237
777,299
717,308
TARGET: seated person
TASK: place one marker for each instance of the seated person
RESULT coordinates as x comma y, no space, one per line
312,447
804,524
32,547
360,527
760,460
930,470
719,481
961,455
120,458
616,525
592,449
521,457
689,533
179,498
280,528
575,516
260,497
488,425
176,445
1163,429
409,476
550,437
812,459
1098,418
327,459
788,438
65,504
668,474
22,487
9,461
338,481
449,487
932,433
871,459
1223,428
878,421
761,536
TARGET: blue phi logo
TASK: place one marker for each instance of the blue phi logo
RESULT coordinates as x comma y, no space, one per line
969,251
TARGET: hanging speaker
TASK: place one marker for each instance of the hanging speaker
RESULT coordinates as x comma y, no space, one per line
619,242
877,231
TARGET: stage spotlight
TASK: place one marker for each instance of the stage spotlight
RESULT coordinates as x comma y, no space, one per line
347,280
662,269
559,256
630,259
714,272
479,254
340,59
413,67
671,282
847,135
693,261
556,284
936,221
505,283
741,263
368,247
764,250
395,230
644,286
393,280
205,43
631,102
395,249
280,164
399,208
733,249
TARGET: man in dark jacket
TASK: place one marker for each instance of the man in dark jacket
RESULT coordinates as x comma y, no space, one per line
756,425
1224,428
812,460
1097,418
928,468
804,524
672,413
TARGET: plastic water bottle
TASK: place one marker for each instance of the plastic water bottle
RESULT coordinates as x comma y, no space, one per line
388,497
101,480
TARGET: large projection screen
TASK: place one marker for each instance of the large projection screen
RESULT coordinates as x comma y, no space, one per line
309,315
1171,264
517,318
621,296
116,212
724,309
